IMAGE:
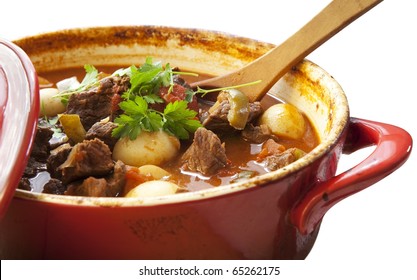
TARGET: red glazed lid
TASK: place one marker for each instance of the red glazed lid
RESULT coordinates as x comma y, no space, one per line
19,109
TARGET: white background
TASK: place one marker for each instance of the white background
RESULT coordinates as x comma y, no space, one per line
369,235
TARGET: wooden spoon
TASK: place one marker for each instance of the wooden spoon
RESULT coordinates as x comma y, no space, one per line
270,67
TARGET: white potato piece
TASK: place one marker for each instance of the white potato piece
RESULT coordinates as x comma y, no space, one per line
50,104
284,120
153,188
155,171
148,148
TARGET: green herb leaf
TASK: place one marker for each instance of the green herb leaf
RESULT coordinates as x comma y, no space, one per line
179,120
136,118
148,78
90,78
153,98
189,94
143,79
176,119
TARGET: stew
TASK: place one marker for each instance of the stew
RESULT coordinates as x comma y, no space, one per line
142,131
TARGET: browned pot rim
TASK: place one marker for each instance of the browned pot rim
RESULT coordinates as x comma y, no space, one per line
317,75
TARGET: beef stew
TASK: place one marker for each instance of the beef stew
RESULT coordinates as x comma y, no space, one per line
92,161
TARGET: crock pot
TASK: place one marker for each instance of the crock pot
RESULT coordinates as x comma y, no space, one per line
272,216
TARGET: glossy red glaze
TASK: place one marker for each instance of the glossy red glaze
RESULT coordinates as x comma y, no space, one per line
393,147
19,107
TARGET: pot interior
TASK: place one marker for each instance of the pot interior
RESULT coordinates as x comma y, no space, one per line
306,86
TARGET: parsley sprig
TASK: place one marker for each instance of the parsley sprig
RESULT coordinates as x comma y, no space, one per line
176,119
179,120
146,82
136,118
150,77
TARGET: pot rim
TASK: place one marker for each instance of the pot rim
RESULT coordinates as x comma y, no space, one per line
340,121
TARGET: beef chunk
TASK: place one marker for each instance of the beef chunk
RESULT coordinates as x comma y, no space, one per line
41,147
280,160
110,186
100,102
88,158
257,134
33,167
91,186
102,131
24,184
206,154
40,152
54,186
117,180
255,110
91,106
57,157
114,84
216,118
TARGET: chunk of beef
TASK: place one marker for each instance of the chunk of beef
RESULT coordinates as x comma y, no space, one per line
114,84
88,158
277,161
95,187
33,167
216,118
102,131
110,186
57,157
24,184
91,106
117,180
255,110
100,102
206,154
41,147
257,134
54,186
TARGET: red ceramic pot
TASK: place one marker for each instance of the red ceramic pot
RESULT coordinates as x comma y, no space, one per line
273,216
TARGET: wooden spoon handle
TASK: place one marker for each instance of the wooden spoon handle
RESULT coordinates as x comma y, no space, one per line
274,64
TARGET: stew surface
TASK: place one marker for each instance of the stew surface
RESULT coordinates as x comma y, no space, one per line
241,155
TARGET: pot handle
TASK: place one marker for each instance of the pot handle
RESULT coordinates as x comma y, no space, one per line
393,147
